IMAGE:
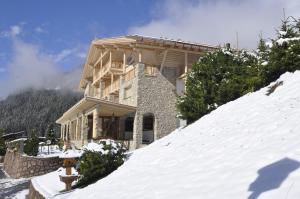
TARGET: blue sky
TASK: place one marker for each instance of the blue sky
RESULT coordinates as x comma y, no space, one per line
43,43
59,25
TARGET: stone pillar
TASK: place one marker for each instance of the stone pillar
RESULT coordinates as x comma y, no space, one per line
84,127
96,122
77,130
137,130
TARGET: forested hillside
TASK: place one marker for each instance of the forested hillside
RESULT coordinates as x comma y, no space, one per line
35,109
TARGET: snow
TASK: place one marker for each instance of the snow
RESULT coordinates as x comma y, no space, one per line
282,40
54,151
21,195
247,148
70,153
92,146
49,185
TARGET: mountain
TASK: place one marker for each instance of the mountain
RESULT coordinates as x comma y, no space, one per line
35,109
247,148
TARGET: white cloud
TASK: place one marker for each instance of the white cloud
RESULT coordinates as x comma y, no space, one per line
30,67
78,51
40,30
216,22
12,32
15,30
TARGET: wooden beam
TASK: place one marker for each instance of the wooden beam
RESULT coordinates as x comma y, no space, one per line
124,61
185,62
101,57
140,56
163,60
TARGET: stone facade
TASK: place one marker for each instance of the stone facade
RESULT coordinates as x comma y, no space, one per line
17,165
156,94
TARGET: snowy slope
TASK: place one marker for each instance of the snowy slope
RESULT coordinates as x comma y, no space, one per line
248,148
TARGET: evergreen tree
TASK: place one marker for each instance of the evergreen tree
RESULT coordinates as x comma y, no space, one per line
32,144
218,78
2,143
285,51
51,135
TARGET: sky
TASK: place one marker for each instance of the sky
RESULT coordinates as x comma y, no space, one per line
43,44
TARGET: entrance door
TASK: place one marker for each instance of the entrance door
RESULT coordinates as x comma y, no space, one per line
90,127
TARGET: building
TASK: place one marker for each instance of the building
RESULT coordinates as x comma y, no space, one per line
130,88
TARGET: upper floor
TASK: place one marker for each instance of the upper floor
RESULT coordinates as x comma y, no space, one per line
111,64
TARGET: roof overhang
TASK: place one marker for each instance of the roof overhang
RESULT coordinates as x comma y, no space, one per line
106,108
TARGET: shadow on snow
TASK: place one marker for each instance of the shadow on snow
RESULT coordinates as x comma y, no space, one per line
272,176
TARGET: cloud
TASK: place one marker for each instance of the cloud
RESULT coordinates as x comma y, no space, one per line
217,22
78,51
30,67
15,30
40,30
12,32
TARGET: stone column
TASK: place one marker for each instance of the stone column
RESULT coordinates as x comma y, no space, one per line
77,128
137,130
96,122
84,127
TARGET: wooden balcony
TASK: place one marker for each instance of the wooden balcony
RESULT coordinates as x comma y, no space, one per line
112,88
114,67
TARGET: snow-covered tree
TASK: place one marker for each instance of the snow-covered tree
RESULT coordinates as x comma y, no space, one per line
217,78
284,55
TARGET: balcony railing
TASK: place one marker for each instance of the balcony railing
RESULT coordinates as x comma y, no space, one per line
129,75
114,87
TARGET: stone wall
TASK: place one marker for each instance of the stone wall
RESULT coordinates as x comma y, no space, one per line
17,165
34,194
156,95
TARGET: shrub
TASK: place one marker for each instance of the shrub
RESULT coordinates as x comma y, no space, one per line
99,160
32,144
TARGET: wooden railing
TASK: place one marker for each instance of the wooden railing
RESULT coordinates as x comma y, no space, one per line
130,75
115,85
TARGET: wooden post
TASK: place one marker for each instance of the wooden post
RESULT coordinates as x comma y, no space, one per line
140,56
185,62
124,61
163,60
110,57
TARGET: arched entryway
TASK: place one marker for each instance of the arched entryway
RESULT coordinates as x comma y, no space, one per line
148,128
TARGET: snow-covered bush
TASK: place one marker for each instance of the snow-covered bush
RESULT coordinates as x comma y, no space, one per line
98,160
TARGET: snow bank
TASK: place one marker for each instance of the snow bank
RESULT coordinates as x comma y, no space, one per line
248,148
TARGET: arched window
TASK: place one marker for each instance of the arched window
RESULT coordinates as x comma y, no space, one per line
148,128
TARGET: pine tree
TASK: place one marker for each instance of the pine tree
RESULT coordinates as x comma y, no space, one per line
2,143
51,135
285,51
218,78
32,144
